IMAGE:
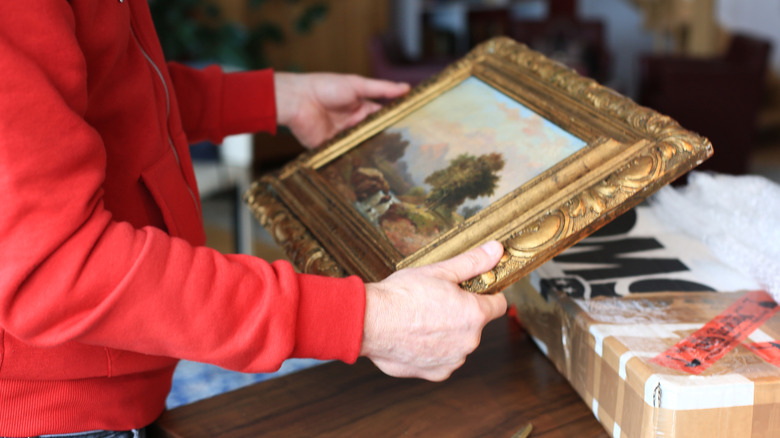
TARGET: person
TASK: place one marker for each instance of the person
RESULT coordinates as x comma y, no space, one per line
104,279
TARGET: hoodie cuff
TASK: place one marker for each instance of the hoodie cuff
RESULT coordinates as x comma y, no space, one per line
249,102
331,313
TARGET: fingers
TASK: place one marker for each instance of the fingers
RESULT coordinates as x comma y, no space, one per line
471,263
430,373
493,306
366,108
442,373
377,88
430,334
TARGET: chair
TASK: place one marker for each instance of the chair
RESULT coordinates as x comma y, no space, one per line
387,62
486,23
577,43
718,98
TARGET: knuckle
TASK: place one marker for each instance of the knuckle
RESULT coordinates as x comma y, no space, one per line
443,373
476,315
439,271
473,259
474,343
438,377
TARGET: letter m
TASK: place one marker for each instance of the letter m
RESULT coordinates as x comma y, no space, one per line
604,260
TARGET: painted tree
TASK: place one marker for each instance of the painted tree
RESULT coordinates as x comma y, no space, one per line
383,151
467,177
391,146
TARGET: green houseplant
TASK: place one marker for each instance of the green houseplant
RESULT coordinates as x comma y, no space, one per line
196,31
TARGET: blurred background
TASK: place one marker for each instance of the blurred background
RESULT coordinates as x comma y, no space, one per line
713,65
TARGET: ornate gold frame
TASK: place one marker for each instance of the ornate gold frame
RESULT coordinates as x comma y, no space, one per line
631,152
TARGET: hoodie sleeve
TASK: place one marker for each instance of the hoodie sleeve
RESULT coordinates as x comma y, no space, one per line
70,272
215,104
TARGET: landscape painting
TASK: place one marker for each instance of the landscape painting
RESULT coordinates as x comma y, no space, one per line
447,161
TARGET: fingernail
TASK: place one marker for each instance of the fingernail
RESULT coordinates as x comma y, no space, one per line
493,248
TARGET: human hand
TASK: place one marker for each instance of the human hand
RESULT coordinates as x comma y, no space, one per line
420,323
316,106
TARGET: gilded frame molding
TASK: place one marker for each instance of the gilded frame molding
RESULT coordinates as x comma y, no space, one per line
631,152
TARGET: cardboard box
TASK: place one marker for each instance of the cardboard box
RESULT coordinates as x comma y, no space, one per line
634,319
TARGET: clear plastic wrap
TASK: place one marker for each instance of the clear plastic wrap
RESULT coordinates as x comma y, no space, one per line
737,217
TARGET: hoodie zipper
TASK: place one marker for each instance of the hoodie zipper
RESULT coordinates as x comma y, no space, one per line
167,115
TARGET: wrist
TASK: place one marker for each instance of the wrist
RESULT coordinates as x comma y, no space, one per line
375,298
286,91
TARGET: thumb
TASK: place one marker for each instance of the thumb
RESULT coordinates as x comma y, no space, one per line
471,263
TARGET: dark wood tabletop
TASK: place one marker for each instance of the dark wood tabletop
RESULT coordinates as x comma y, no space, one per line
506,383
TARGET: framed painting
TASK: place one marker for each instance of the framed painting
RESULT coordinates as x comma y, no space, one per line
503,144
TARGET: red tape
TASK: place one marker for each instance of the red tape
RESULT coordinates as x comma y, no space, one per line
769,351
705,346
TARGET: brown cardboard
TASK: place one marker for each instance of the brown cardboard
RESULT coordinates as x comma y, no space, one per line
604,344
614,383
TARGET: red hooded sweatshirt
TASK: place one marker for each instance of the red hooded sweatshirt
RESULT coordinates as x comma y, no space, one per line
103,276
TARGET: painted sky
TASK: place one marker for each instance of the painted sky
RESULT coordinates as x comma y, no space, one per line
475,118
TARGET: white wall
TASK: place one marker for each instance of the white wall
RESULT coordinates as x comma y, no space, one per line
407,26
626,39
757,17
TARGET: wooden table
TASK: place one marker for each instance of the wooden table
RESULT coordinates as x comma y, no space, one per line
506,383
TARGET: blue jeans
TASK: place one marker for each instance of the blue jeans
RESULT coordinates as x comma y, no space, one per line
136,433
